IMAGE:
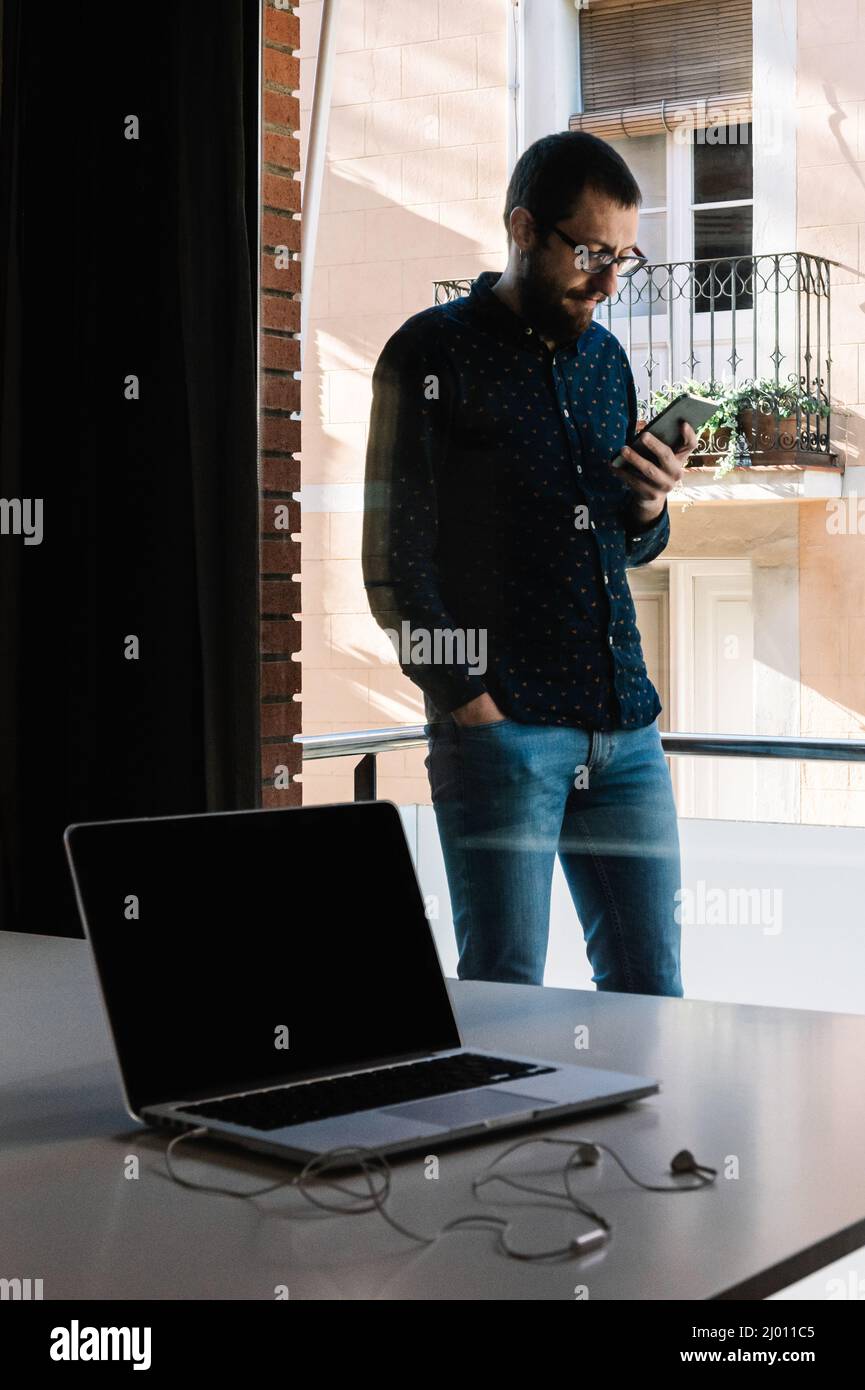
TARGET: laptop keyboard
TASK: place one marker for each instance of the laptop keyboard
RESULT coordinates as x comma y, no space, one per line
319,1100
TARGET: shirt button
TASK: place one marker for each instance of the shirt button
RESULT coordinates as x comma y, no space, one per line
579,468
606,579
528,330
567,413
611,641
592,524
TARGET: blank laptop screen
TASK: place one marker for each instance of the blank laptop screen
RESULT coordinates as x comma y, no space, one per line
245,948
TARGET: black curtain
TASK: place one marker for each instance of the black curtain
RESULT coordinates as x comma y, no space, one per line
126,258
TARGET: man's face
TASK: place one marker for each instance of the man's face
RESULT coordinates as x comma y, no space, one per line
554,294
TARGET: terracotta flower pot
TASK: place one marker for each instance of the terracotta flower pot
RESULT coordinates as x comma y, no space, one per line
713,444
759,429
717,440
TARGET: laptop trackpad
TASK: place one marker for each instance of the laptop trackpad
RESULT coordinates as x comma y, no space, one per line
466,1107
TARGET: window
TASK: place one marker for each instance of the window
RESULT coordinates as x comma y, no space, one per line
646,66
711,179
646,157
669,86
722,206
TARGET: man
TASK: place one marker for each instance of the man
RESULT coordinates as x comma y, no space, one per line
496,540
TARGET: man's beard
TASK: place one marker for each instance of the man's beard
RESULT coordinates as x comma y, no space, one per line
541,304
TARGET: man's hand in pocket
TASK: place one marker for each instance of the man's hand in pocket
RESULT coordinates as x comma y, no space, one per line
482,710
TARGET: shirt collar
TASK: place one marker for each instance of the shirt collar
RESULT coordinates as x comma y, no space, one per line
512,326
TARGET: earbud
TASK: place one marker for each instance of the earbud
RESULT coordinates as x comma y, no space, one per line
684,1162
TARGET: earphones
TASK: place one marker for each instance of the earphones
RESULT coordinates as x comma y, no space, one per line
685,1162
373,1166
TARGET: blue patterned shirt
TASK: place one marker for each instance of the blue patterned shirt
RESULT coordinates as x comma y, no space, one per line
491,512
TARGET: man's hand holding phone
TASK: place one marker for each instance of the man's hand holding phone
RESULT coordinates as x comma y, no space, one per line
655,480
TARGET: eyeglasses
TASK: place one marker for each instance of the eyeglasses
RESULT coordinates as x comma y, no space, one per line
593,261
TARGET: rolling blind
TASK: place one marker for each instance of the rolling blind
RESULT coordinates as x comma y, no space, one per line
648,66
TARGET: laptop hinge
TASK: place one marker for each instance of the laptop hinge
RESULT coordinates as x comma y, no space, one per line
325,1074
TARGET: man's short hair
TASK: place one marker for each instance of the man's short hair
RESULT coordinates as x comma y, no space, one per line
549,178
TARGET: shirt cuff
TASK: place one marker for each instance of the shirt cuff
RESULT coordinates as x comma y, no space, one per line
638,530
446,691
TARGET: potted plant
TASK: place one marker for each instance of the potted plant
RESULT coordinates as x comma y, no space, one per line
719,437
767,416
750,416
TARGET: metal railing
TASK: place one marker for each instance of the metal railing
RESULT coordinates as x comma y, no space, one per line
675,320
368,743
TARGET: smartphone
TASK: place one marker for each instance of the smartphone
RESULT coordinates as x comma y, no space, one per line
665,426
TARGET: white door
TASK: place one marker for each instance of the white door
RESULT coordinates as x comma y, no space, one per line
712,681
650,590
724,691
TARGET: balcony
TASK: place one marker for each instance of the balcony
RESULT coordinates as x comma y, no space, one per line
754,330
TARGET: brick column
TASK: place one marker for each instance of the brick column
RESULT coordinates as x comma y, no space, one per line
280,400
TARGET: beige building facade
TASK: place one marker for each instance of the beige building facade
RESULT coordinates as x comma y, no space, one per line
753,620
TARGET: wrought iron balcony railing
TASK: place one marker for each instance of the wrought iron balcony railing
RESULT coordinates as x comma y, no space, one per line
752,330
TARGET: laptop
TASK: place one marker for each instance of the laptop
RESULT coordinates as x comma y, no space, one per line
271,975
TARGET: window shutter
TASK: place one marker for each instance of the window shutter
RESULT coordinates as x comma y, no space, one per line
647,67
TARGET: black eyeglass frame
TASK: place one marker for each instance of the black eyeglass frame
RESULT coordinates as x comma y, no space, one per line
637,255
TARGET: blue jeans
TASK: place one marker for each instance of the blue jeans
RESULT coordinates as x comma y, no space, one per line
508,797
